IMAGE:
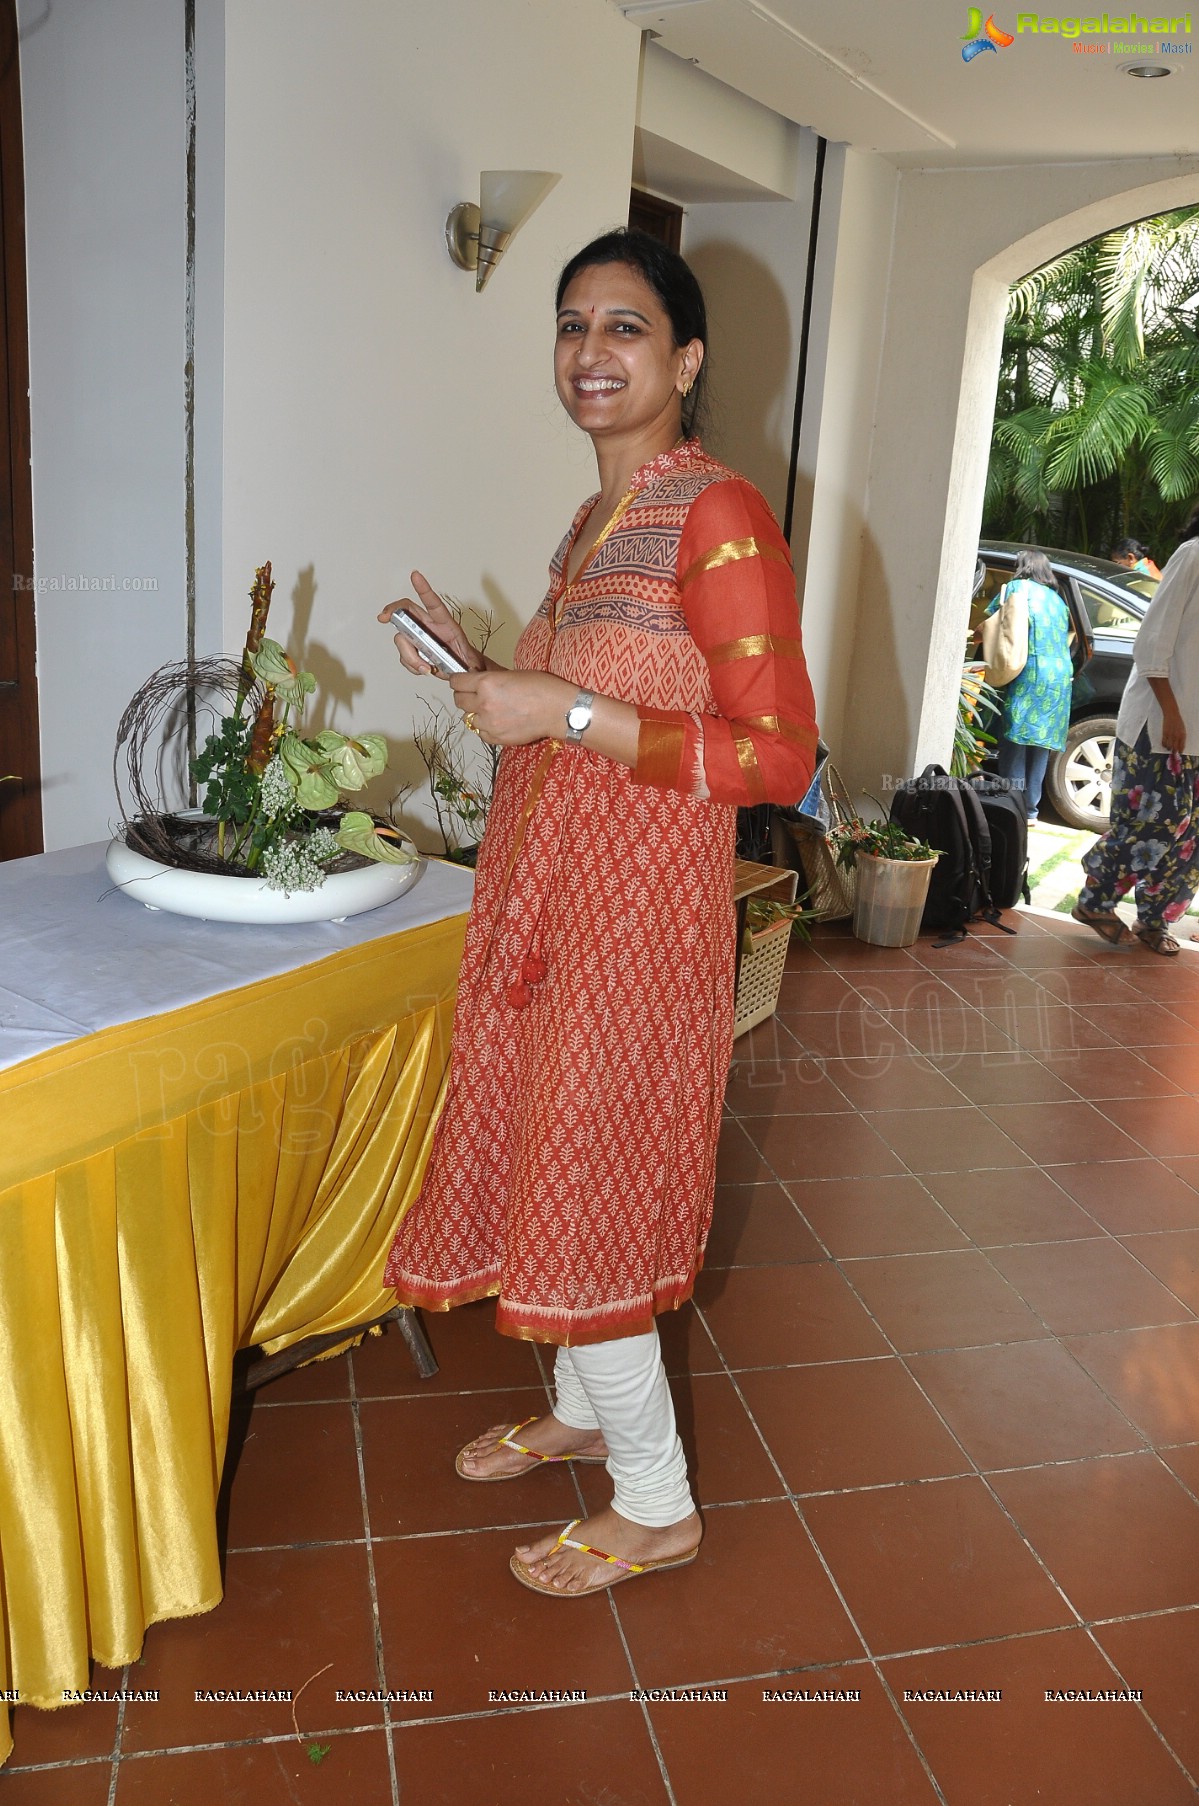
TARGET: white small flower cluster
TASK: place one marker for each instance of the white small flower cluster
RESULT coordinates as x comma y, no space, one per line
276,793
292,865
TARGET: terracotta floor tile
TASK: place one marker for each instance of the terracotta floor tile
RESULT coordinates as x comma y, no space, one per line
1080,1286
914,989
1128,1197
316,1380
749,1750
976,1578
86,1785
284,1615
810,991
1046,952
1011,1076
1162,1125
1098,1073
821,1147
768,1042
875,1216
686,1345
273,1774
1160,1655
782,1088
1048,1028
1142,1024
1025,1750
1183,1460
906,1081
596,1752
853,957
1178,1063
409,1447
858,1423
725,1457
487,1631
1078,986
996,990
945,1035
1152,1374
757,1225
852,1032
775,1316
296,1478
1063,1131
468,1351
977,953
781,1613
947,1141
954,1300
69,1734
1174,1258
738,1161
1119,1534
1000,1207
1186,1168
1024,1403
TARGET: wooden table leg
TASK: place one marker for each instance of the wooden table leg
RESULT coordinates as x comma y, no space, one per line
271,1367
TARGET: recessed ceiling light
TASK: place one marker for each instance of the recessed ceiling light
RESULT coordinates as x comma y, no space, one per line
1148,72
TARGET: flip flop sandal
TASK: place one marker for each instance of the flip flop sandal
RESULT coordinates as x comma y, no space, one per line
625,1570
1158,940
1105,922
505,1442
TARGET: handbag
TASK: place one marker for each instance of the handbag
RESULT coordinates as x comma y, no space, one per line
1005,636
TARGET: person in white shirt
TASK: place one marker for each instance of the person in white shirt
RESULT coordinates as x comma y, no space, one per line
1153,841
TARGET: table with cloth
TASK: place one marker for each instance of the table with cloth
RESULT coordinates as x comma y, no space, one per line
208,1135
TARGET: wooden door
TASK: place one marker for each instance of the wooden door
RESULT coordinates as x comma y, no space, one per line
20,801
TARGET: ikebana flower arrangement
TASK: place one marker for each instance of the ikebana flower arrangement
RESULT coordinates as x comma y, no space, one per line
880,839
273,797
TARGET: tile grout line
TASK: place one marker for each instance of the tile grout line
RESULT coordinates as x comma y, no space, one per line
380,1653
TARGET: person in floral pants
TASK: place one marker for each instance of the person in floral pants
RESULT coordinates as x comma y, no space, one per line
1152,845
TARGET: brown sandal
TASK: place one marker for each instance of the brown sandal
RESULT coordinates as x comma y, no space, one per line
1105,922
505,1441
1158,940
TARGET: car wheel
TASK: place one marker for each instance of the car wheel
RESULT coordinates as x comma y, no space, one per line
1079,779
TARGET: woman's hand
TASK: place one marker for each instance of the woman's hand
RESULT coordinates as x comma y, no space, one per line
514,708
432,612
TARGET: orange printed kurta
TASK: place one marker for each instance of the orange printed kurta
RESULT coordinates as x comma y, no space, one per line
573,1167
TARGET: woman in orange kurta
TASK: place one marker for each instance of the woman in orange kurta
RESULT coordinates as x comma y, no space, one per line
660,685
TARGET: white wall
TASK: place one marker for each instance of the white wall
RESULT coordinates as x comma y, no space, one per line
378,414
751,259
103,110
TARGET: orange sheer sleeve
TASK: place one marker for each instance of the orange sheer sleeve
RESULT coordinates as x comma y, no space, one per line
738,594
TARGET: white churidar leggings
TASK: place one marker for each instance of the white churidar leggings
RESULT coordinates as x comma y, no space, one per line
620,1388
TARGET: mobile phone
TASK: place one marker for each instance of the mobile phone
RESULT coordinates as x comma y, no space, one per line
429,647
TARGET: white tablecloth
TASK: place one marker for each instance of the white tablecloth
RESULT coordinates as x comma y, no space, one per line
77,956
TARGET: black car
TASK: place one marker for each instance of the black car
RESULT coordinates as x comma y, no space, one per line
1106,604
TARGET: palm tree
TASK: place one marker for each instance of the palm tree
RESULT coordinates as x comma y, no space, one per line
1097,413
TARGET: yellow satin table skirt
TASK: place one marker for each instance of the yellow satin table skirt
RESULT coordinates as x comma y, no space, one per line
173,1190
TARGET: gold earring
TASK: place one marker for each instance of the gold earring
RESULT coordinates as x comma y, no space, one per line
687,387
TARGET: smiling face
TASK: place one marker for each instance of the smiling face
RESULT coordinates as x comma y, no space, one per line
618,372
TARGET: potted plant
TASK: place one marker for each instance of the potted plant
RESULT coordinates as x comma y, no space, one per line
893,870
274,828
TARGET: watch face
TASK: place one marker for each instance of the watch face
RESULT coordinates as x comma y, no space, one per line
577,716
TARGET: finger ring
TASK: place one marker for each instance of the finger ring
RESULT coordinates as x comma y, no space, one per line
470,721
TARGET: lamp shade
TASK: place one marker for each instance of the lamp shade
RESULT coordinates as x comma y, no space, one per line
508,196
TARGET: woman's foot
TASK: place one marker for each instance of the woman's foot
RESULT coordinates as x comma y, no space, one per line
1158,940
550,1564
1105,922
487,1458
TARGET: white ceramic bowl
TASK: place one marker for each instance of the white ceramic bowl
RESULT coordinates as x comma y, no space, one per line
214,898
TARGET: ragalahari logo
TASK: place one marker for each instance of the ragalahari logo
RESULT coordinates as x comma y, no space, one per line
979,37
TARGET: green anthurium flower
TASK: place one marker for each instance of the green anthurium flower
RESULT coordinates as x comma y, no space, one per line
358,833
351,763
307,770
281,674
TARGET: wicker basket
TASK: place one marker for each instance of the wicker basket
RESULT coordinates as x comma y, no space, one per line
805,846
761,976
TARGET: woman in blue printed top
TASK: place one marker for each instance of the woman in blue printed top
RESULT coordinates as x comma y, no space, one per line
1036,704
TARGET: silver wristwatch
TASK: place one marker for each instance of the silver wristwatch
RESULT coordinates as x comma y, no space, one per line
578,717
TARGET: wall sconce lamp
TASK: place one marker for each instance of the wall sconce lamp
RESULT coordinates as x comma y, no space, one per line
477,237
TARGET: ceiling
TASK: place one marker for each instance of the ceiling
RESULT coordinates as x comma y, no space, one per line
891,78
